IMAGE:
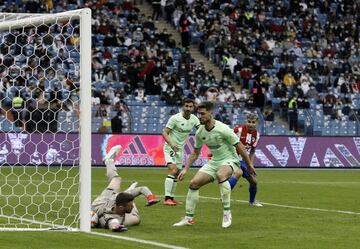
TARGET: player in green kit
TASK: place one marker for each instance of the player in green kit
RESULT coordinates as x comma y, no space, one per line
225,147
175,134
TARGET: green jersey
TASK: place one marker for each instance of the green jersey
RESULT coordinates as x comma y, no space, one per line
220,140
181,127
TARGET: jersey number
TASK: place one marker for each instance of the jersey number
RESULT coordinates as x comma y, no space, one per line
172,153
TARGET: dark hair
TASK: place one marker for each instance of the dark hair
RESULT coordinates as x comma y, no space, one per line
123,198
252,116
188,100
208,105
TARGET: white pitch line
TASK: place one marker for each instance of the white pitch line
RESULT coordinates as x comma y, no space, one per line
288,206
142,241
241,201
32,221
311,183
147,242
155,181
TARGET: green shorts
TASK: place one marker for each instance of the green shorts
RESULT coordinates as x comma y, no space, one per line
173,157
212,167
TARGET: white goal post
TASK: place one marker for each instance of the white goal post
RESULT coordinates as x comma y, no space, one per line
45,141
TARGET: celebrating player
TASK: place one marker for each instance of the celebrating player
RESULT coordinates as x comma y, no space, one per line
175,134
115,210
225,147
249,137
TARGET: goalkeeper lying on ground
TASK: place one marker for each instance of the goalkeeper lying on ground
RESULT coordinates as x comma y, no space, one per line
113,209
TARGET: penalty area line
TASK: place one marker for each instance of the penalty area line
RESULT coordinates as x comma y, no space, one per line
142,241
292,207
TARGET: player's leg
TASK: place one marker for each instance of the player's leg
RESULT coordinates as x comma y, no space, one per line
142,190
222,175
235,177
200,179
109,160
238,173
179,166
112,188
172,159
170,184
253,191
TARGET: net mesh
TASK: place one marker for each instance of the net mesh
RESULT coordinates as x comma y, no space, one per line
39,121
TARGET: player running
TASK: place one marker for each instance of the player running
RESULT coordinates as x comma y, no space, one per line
113,209
225,147
249,137
175,134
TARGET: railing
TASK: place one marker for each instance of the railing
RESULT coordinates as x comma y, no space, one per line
309,123
357,125
262,123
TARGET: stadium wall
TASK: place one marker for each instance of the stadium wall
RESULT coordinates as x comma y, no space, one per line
147,150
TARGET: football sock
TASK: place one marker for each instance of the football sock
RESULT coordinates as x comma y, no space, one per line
139,191
225,191
191,200
169,182
111,171
232,181
252,191
172,193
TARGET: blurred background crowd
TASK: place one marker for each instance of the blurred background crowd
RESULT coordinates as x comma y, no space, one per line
296,63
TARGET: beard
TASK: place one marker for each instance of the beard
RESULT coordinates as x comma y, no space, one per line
204,121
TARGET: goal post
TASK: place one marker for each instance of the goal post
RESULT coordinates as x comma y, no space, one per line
85,121
45,121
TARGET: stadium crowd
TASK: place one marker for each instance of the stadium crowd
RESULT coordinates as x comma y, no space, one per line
283,49
276,51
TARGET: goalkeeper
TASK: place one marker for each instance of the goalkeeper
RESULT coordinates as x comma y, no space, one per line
113,209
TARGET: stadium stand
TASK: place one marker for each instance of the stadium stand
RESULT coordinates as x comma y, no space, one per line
274,50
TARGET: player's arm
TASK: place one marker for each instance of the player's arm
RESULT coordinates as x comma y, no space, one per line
240,149
192,158
233,139
166,135
95,213
115,226
253,147
252,155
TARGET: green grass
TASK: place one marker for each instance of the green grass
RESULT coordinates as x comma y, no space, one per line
267,227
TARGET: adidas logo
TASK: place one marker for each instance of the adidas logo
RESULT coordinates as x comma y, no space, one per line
135,147
135,154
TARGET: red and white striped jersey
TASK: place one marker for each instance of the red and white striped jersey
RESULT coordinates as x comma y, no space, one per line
247,138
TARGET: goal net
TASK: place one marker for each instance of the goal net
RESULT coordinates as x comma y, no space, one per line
45,121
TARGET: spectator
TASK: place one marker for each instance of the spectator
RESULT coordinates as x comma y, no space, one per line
269,115
279,90
289,79
312,93
140,95
259,94
116,123
292,112
149,24
156,4
184,30
138,36
17,109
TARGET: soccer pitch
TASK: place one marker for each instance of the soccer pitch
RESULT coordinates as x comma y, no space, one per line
303,209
